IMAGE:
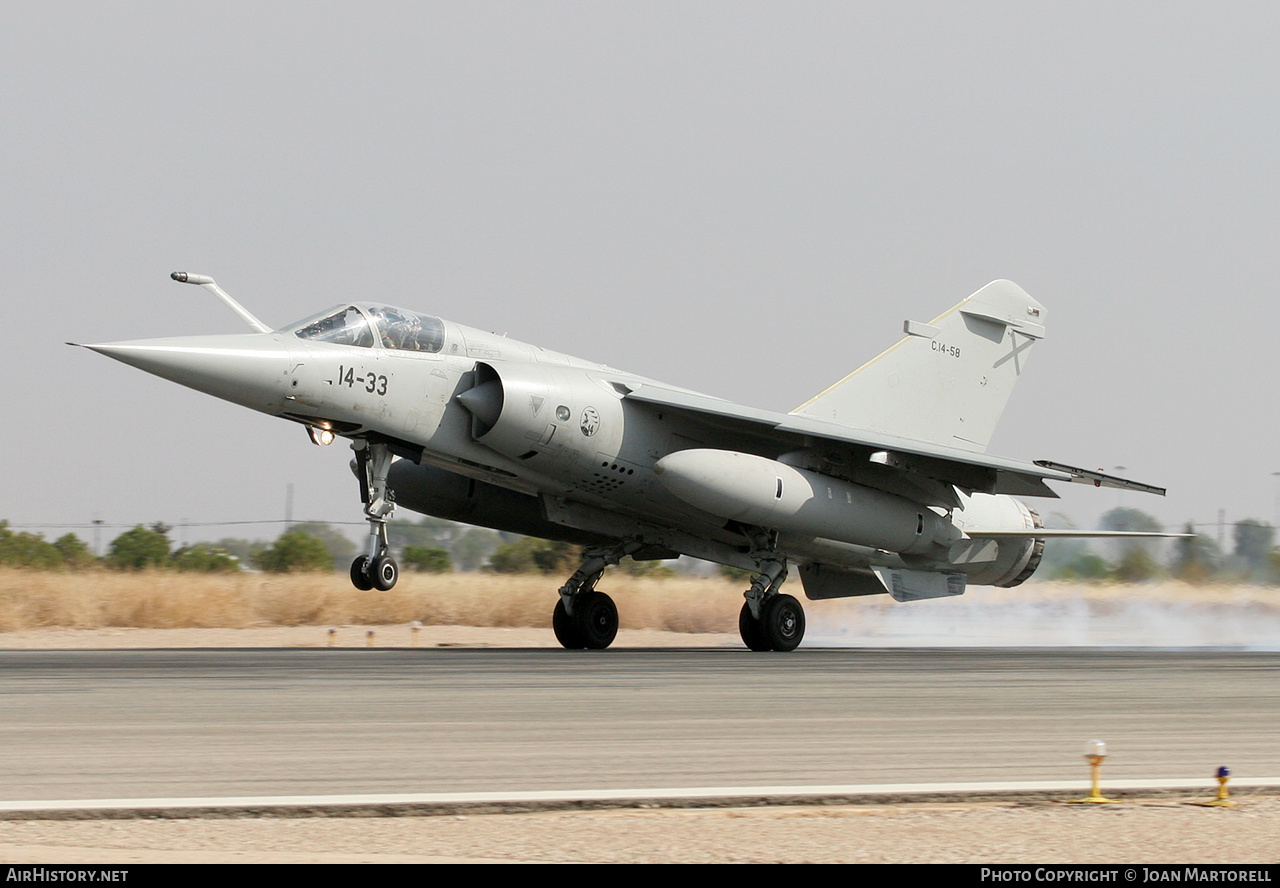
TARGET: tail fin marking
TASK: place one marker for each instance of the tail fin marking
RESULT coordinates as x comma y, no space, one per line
946,382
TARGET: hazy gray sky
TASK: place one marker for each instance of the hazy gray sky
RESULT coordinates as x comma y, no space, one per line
743,198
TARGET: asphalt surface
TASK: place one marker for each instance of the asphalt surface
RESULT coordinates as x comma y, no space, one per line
185,723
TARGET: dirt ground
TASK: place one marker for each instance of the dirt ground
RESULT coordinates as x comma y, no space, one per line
401,635
1151,831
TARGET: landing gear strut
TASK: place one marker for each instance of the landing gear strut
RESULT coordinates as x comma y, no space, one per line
376,569
770,621
584,617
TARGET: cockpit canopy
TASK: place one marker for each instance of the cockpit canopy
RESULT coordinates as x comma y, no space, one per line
366,325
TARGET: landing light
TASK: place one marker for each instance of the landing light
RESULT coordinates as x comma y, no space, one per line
320,436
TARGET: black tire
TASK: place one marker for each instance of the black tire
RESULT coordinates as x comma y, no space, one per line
384,572
752,631
783,623
566,629
359,577
597,619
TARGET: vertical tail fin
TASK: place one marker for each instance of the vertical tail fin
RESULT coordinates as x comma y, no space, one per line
946,382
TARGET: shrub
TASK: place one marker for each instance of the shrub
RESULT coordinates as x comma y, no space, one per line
205,558
139,548
427,559
531,555
295,551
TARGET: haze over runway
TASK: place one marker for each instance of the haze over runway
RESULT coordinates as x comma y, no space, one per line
746,199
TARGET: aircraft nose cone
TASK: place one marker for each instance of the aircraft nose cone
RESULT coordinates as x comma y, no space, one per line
485,402
247,369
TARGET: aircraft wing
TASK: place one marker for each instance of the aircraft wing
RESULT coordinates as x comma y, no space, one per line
962,468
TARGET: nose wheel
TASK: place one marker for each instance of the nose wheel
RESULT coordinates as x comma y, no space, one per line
376,569
360,573
381,573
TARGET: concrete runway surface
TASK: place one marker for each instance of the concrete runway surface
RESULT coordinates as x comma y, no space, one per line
185,723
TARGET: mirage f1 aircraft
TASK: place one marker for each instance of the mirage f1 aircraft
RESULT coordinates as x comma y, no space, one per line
880,484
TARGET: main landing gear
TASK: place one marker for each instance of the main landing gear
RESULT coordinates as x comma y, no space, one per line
376,569
770,621
585,618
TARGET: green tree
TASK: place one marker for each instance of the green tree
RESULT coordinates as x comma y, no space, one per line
1065,558
473,547
427,559
737,574
1132,521
245,551
205,558
74,552
532,555
652,568
1196,558
1254,541
1136,566
27,550
468,547
295,551
139,548
1085,566
341,549
437,533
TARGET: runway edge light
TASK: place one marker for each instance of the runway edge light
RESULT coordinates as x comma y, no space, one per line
1223,799
1094,752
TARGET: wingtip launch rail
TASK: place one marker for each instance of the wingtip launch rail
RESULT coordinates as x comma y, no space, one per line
1099,478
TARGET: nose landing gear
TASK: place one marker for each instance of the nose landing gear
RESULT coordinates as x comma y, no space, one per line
376,569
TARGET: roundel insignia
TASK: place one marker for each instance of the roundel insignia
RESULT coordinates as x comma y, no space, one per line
590,422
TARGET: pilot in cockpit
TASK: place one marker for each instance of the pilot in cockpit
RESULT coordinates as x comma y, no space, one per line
406,332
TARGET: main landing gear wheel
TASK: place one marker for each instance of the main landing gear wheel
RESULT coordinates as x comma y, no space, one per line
585,618
566,629
783,623
593,625
751,631
780,627
597,617
359,574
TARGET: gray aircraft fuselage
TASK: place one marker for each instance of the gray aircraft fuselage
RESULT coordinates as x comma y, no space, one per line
504,434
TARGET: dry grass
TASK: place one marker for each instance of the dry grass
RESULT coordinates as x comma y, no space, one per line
167,600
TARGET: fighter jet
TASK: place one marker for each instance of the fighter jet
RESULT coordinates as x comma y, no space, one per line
879,484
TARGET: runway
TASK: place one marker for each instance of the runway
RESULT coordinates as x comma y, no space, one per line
223,723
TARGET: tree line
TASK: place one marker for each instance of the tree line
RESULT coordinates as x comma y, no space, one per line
437,545
430,545
1193,558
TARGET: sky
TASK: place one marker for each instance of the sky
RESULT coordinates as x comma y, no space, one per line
742,198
